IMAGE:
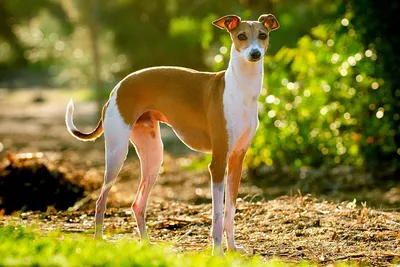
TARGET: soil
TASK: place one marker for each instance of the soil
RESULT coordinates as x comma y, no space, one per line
294,227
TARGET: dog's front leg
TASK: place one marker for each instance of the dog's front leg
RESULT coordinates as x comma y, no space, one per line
233,180
217,172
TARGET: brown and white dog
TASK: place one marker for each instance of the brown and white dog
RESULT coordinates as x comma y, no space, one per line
211,112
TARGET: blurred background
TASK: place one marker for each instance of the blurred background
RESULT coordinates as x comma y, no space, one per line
329,108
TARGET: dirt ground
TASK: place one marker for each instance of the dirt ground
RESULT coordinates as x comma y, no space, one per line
293,227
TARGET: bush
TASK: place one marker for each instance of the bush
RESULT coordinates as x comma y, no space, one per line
323,103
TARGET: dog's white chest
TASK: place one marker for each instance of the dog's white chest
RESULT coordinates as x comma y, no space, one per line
241,113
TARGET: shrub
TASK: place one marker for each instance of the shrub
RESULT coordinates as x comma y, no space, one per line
324,103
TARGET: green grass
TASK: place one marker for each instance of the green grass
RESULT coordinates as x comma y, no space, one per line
20,246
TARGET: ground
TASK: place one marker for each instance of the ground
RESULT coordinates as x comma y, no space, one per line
295,226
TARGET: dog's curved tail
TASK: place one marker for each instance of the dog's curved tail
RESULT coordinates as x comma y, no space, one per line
75,132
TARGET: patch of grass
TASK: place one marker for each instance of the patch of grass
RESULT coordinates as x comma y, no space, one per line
20,246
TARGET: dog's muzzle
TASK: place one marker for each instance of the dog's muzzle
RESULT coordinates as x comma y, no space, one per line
255,55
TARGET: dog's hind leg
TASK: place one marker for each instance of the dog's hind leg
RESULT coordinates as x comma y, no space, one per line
147,140
116,135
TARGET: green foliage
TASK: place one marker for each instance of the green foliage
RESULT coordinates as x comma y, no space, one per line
22,247
377,21
324,103
331,96
57,35
15,41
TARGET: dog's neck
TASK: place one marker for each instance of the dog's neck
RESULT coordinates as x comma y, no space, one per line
243,77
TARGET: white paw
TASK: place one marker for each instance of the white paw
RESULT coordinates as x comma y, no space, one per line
98,236
239,249
218,251
147,242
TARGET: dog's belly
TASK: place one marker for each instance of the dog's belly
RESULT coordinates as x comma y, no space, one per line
190,134
191,127
195,139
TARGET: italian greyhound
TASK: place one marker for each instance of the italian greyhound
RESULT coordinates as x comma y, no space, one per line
211,112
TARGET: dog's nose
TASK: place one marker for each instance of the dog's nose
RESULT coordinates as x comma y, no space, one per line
255,54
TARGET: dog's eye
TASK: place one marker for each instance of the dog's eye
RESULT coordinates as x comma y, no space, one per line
262,36
242,37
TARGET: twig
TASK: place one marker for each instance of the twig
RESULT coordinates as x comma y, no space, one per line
256,195
86,199
391,254
184,235
324,212
354,255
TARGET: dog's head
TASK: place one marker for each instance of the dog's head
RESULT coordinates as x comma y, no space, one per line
250,38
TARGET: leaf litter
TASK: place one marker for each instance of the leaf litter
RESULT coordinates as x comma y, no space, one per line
292,228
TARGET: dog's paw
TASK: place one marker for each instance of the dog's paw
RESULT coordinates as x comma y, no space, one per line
147,242
153,244
218,251
98,237
239,249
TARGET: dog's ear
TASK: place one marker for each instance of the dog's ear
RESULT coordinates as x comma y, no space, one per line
229,22
269,21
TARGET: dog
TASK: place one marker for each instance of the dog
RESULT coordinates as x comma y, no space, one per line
211,112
